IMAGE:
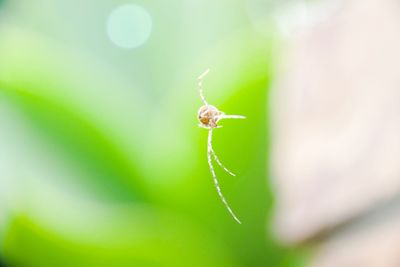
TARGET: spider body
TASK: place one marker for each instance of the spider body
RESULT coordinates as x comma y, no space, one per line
209,116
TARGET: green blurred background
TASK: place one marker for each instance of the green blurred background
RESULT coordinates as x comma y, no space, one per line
101,159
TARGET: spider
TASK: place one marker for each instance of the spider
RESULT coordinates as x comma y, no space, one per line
209,116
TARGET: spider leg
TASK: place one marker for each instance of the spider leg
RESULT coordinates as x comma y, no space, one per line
223,116
200,84
203,126
209,152
220,164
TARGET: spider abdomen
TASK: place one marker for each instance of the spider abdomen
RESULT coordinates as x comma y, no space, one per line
208,116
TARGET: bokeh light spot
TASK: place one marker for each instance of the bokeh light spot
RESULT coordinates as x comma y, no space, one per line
129,26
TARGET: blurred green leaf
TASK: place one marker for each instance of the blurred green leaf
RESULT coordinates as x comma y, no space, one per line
153,241
108,171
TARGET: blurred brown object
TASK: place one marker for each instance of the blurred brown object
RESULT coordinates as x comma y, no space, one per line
336,139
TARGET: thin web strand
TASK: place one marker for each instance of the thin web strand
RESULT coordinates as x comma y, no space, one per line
209,152
200,84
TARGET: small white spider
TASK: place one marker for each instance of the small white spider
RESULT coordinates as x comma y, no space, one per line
209,116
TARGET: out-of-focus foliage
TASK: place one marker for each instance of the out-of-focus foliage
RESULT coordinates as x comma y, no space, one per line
102,162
